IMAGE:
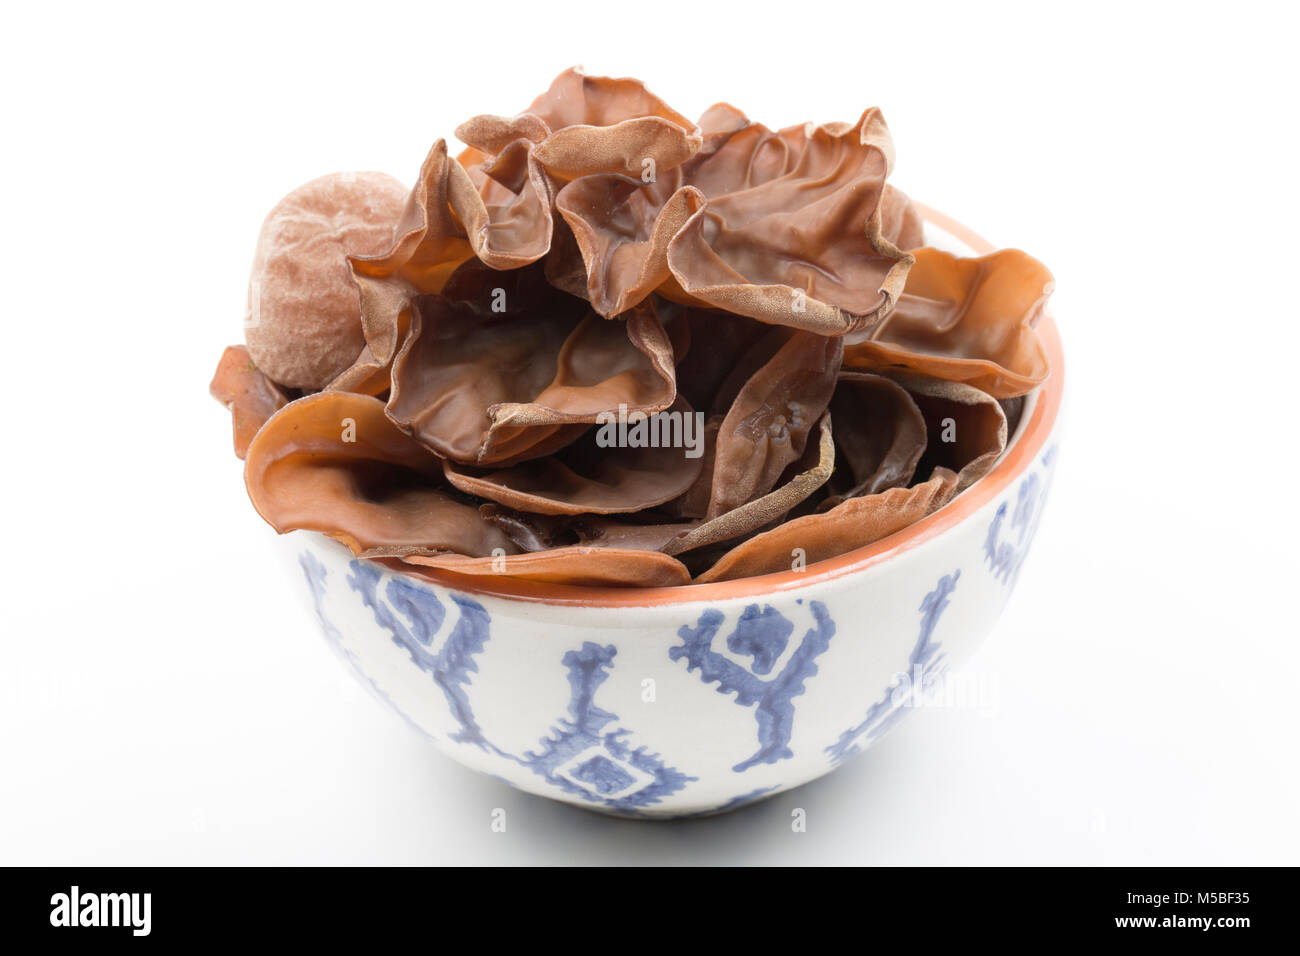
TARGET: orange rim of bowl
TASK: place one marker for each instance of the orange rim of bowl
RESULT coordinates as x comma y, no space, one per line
1030,441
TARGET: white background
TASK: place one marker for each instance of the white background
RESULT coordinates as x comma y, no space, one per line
163,699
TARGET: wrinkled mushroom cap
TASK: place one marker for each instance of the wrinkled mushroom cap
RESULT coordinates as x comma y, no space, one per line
303,319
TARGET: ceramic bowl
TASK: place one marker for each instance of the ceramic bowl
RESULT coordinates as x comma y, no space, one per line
674,702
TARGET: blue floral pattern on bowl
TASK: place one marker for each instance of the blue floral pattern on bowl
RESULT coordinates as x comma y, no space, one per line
676,710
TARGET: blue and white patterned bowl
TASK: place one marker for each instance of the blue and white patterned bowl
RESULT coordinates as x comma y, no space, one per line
673,702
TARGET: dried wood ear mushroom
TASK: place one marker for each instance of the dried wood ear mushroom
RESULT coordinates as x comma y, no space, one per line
303,319
609,346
